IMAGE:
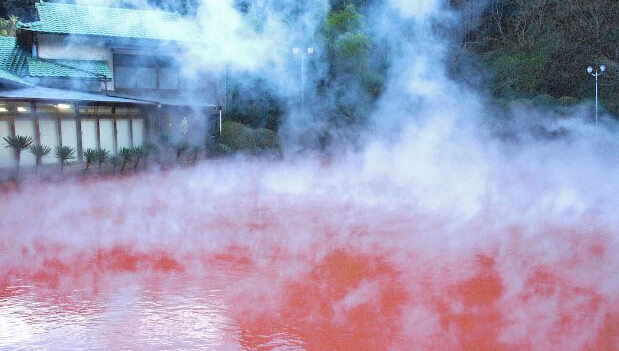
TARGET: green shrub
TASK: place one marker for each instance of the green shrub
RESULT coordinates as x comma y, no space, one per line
266,139
237,137
567,101
523,103
544,100
222,149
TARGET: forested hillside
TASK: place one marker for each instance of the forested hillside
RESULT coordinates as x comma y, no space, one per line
533,47
520,48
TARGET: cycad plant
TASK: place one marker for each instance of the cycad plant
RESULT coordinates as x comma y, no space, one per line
194,153
102,156
181,148
90,155
39,151
126,156
165,143
64,154
149,148
17,143
115,161
138,152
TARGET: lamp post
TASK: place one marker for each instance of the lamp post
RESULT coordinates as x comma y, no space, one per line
596,75
303,53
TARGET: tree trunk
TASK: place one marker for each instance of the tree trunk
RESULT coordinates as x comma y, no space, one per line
17,160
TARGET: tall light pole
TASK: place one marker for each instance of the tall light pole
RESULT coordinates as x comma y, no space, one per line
303,53
596,75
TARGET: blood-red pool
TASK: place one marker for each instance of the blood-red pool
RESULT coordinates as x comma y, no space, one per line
166,261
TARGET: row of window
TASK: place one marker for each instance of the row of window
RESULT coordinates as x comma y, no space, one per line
145,72
24,108
129,133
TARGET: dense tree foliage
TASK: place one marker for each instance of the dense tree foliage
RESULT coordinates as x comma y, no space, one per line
254,104
353,80
22,9
534,47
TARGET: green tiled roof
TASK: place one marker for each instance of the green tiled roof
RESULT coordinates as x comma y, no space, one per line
67,68
111,22
12,58
7,77
15,62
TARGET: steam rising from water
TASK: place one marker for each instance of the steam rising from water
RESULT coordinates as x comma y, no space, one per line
435,235
349,256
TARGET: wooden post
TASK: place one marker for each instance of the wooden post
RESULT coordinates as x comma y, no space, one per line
98,131
146,122
115,136
78,128
12,125
131,132
59,130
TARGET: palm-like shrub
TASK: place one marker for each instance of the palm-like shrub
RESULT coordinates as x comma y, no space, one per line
102,156
126,156
138,152
195,152
90,155
181,148
149,148
164,139
64,154
115,161
40,151
18,143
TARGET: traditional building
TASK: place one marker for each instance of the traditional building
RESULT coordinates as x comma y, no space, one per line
99,77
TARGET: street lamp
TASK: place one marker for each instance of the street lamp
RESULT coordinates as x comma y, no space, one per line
303,53
596,75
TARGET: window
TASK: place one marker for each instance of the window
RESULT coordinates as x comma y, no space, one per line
140,72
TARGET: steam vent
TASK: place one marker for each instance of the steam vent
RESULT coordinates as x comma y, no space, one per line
99,77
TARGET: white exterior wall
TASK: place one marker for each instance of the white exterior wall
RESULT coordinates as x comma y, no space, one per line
25,127
124,133
6,155
49,137
106,133
69,134
63,47
89,134
138,132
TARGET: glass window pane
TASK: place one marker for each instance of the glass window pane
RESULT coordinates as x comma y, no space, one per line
124,78
168,79
146,78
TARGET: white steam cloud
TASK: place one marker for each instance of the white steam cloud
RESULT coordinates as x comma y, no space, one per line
516,233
